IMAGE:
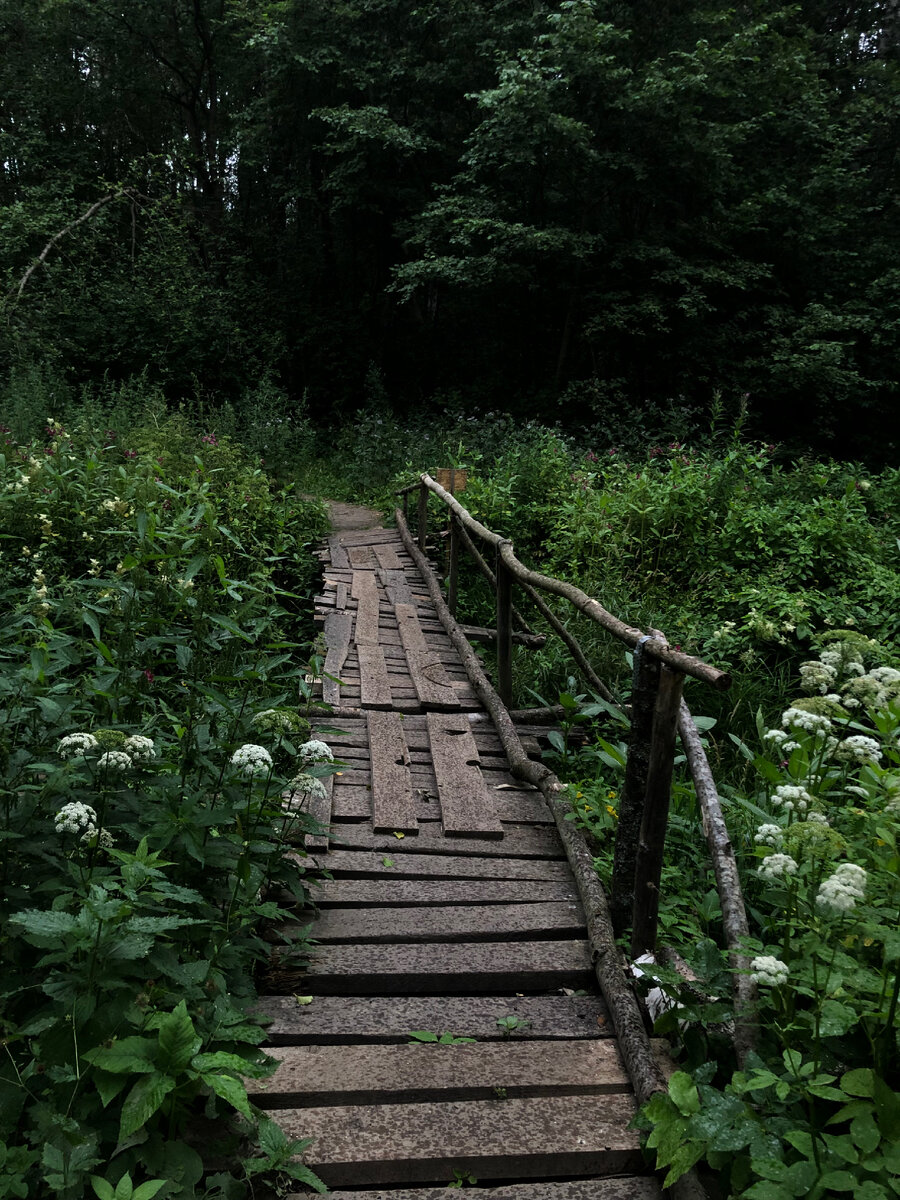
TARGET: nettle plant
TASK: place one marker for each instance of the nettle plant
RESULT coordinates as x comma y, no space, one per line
816,1110
155,764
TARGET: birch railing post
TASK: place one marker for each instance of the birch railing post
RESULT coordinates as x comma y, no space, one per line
453,564
648,867
634,789
504,631
423,518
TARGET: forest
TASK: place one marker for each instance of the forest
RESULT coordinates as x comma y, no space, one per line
633,267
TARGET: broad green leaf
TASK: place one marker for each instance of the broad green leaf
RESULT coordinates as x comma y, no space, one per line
684,1094
45,929
144,1099
766,1190
685,1157
865,1133
839,1181
230,1090
859,1082
130,1055
108,1084
102,1189
147,1190
178,1040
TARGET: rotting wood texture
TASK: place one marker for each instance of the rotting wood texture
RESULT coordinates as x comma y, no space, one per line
393,803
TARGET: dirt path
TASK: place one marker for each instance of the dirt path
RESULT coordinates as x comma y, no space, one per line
352,516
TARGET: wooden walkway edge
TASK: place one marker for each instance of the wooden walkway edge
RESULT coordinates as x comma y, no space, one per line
451,909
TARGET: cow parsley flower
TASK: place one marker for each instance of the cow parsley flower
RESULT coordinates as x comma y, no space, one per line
252,760
76,745
817,676
858,749
114,760
812,723
140,748
777,866
76,818
769,835
280,721
840,892
96,839
769,971
789,797
314,751
301,788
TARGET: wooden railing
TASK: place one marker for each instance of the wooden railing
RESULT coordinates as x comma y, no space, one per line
657,711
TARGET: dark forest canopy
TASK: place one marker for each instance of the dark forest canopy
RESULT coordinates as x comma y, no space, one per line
567,207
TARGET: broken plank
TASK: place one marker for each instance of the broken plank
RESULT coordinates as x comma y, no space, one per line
337,638
466,805
429,677
338,555
412,1143
458,967
393,804
353,1019
396,585
450,923
374,685
318,1075
388,558
518,842
361,558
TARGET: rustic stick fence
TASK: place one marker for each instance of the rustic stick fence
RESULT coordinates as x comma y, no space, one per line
658,714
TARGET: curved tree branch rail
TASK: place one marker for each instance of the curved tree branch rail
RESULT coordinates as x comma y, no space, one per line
657,711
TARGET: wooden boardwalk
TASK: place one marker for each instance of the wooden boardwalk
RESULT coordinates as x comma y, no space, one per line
451,909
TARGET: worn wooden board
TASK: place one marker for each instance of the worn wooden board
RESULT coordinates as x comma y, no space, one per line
523,841
370,537
353,1019
337,634
466,805
353,802
317,1075
450,923
429,676
387,865
393,803
621,1187
365,592
449,968
374,684
388,556
337,554
362,558
397,587
522,1139
370,893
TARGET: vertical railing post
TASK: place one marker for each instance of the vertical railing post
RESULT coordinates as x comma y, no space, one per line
645,683
649,864
504,629
406,507
453,564
423,517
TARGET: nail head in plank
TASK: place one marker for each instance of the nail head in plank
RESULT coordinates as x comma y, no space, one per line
458,967
318,1075
393,803
353,1019
411,1143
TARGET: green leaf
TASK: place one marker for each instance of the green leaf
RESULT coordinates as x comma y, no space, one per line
766,1190
108,1085
131,1055
45,929
178,1040
147,1190
684,1094
839,1181
860,1082
230,1090
144,1099
124,1188
102,1189
865,1133
685,1157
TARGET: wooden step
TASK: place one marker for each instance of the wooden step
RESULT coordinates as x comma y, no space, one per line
466,804
365,591
419,893
519,841
388,865
622,1187
374,682
456,923
353,1019
491,1139
314,1076
446,968
392,800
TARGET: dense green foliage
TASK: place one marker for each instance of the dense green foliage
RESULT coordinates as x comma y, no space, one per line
583,207
152,660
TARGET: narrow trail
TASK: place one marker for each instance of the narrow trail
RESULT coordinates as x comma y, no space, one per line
451,909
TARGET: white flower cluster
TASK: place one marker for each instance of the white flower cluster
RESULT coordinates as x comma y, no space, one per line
769,835
313,752
813,723
789,797
840,891
76,745
777,866
140,748
816,818
303,788
816,676
252,760
858,749
114,760
95,840
76,818
769,971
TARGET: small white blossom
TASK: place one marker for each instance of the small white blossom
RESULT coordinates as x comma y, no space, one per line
769,835
252,760
76,818
858,749
301,787
76,745
140,748
777,736
817,676
841,891
799,718
816,818
769,971
97,840
114,760
789,797
314,751
777,866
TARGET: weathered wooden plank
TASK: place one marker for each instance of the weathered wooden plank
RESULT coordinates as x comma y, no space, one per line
337,554
431,681
387,865
353,802
387,556
397,586
352,1019
411,1143
317,1075
374,684
466,804
365,591
457,967
370,537
450,923
621,1187
517,842
370,893
393,803
337,637
361,558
